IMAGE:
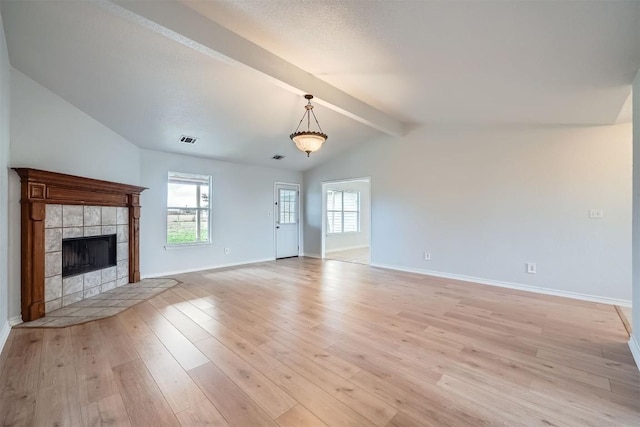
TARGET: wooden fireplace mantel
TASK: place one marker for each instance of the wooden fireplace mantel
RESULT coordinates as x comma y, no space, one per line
40,188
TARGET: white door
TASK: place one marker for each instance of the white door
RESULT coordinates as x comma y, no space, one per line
287,219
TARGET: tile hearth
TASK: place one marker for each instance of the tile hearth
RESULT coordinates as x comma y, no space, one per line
103,305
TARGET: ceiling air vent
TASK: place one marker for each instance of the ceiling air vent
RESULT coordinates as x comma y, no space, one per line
278,157
188,139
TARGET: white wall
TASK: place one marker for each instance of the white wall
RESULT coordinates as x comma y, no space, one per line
5,119
484,201
635,339
338,242
242,215
49,133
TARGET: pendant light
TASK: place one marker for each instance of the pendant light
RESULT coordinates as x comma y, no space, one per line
307,140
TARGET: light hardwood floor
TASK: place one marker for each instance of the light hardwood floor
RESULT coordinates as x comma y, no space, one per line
358,255
301,342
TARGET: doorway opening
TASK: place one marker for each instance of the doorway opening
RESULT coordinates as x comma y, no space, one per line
286,219
346,220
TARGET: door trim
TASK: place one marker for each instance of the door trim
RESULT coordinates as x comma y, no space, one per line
275,216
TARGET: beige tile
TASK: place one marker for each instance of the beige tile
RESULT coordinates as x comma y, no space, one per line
92,279
122,216
123,268
99,296
111,311
109,229
111,303
111,292
92,216
72,216
91,292
53,216
71,232
108,286
52,264
52,288
123,251
36,323
98,307
53,239
92,231
108,274
108,215
64,321
52,305
63,312
91,318
166,284
127,303
123,233
73,284
85,303
70,299
87,311
108,297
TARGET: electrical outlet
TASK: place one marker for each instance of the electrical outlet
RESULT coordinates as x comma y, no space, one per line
427,256
227,251
596,214
531,267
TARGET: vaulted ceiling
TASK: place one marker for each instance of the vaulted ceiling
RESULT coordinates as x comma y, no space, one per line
232,72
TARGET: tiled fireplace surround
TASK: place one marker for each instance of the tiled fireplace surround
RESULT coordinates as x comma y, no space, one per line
68,221
54,206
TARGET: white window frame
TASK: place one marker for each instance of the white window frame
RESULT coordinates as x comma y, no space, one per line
176,175
342,211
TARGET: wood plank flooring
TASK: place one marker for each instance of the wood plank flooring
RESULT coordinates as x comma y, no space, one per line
304,342
625,316
358,255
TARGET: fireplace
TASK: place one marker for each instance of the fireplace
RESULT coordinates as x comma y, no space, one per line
86,254
57,207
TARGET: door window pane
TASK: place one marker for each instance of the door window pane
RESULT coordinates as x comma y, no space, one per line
287,202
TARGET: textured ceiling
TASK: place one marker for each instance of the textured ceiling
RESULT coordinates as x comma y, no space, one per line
417,61
456,61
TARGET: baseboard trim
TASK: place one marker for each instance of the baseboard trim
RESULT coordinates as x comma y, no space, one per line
635,350
4,334
511,285
348,248
308,255
211,267
15,320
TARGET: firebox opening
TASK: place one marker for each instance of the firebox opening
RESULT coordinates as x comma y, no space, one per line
85,254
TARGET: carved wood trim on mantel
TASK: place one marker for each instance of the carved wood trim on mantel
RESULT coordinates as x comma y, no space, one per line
40,188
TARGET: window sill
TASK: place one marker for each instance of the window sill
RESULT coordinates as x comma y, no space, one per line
168,247
342,234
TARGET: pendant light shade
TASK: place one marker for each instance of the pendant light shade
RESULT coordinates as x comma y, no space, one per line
308,140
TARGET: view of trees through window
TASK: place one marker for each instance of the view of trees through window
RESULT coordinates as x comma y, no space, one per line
188,208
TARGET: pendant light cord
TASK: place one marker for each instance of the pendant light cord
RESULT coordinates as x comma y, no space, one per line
306,113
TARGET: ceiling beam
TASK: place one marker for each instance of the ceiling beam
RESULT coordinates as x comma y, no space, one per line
184,25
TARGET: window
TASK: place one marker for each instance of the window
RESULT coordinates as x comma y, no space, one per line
287,207
343,212
188,208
